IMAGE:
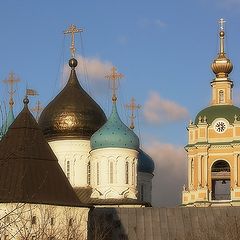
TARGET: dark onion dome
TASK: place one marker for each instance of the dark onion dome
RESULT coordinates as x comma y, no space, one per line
219,111
145,162
72,113
29,171
114,134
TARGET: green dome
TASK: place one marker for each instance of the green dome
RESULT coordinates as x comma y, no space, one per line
219,111
9,120
145,162
114,134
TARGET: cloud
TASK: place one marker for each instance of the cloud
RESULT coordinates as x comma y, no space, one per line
152,23
158,110
90,70
170,172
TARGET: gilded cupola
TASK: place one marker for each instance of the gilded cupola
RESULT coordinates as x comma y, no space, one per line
72,114
222,66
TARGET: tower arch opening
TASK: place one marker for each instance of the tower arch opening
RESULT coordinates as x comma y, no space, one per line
221,180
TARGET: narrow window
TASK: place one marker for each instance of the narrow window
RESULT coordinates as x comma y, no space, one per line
142,192
89,173
133,174
192,171
97,173
68,170
34,220
221,96
111,172
52,221
70,223
127,172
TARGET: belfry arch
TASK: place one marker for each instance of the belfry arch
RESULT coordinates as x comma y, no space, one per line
221,180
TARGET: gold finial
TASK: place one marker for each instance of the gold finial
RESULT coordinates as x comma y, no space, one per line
221,34
37,109
72,30
132,106
114,76
11,80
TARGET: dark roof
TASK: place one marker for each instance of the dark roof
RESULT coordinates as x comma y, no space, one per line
219,111
84,194
72,113
205,223
29,171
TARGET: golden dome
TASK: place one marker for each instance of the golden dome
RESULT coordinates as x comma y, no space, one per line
72,113
222,66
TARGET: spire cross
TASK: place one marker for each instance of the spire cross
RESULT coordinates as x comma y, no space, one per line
221,22
132,106
72,30
114,76
37,109
11,80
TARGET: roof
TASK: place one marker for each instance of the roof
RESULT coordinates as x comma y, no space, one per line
145,162
219,111
72,113
165,223
114,134
29,171
84,194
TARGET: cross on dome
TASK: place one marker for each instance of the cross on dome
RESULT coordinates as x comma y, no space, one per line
132,106
221,22
73,30
114,76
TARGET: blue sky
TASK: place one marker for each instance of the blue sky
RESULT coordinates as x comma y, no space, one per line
164,49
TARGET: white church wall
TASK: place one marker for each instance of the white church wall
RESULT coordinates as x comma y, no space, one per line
111,177
73,157
145,186
39,221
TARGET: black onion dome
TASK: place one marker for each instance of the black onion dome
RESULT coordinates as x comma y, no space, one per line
72,113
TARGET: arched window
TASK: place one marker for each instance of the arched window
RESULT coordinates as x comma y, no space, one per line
97,173
68,170
221,96
133,173
142,192
192,171
221,178
89,173
127,172
111,172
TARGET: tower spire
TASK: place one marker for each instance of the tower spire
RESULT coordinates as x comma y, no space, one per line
11,80
132,106
73,30
114,76
221,34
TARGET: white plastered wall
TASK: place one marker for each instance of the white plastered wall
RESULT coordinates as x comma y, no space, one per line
117,187
73,157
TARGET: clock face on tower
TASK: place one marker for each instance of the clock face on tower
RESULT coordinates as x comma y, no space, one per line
220,126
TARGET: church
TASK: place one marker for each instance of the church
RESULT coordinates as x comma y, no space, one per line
77,174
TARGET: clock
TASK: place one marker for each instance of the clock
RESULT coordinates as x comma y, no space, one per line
220,126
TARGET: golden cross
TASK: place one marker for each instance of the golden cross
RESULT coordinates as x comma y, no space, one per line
114,76
221,22
11,80
72,30
132,106
37,109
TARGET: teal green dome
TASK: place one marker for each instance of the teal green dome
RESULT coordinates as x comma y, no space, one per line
145,162
219,111
9,120
114,134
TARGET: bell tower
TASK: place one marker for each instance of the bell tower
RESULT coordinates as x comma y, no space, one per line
213,147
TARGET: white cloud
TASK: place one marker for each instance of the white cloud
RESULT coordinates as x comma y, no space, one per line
170,172
158,110
152,22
